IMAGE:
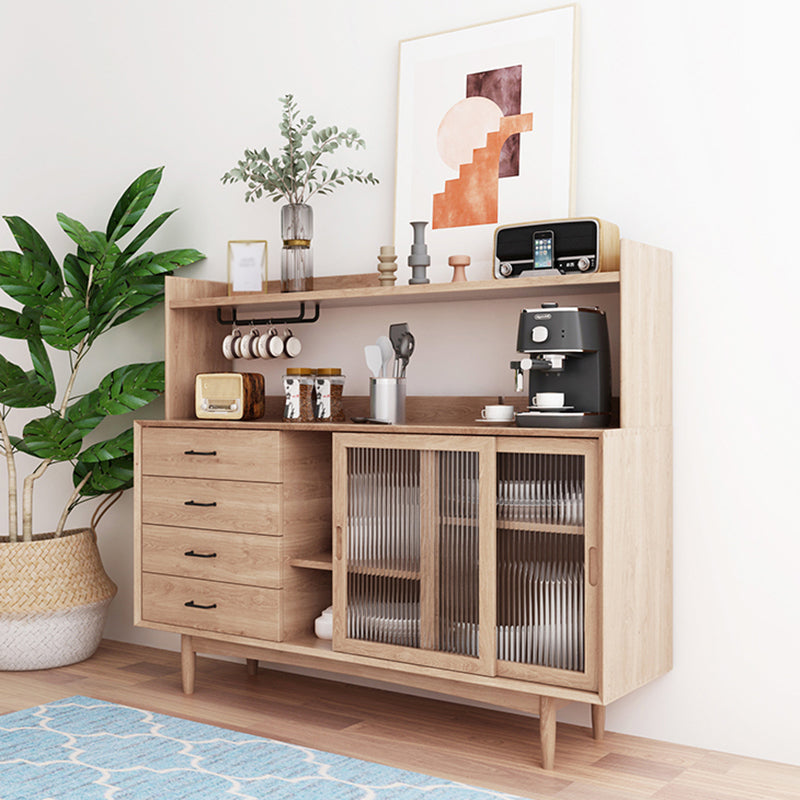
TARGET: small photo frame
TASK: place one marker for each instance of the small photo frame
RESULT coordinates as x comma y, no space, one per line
247,266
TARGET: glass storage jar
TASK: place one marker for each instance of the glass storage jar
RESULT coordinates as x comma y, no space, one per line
298,385
328,391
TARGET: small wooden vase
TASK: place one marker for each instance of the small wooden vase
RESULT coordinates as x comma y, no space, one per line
459,265
387,266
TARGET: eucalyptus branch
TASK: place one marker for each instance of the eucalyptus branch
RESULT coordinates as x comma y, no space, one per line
296,175
11,469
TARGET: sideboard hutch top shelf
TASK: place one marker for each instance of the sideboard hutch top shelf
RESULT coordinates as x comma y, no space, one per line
354,290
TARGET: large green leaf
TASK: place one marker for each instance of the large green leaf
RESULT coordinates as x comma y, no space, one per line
85,413
42,368
131,387
27,280
156,263
92,242
38,268
139,241
133,204
106,477
14,325
119,446
76,273
64,323
52,437
25,325
125,389
20,389
147,296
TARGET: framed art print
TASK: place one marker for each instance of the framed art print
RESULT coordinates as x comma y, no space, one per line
247,266
485,134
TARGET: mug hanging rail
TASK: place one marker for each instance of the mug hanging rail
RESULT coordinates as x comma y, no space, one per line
298,320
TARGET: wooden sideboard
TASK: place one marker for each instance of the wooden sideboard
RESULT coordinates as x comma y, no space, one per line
524,568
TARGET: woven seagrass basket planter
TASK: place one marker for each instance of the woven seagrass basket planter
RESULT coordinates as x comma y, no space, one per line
54,598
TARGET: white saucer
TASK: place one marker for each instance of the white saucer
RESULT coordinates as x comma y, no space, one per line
550,408
496,421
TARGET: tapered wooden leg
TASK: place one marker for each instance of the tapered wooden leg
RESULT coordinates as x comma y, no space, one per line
547,731
252,666
598,722
188,663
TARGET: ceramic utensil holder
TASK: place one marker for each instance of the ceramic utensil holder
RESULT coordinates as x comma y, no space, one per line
387,399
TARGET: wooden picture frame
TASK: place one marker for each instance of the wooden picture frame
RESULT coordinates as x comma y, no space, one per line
485,133
247,266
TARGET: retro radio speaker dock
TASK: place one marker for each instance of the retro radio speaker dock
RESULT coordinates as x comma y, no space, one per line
556,247
229,395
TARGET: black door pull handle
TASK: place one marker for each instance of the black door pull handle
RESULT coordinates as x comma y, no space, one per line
199,452
195,503
200,555
192,604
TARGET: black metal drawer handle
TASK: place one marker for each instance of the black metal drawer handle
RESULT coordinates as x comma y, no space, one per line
192,604
195,503
199,452
200,555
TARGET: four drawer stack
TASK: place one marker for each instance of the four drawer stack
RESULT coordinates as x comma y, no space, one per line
214,544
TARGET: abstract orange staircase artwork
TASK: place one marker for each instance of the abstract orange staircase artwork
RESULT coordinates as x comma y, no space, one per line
471,199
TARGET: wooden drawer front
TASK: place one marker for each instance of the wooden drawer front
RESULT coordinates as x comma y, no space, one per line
215,505
221,607
212,555
212,453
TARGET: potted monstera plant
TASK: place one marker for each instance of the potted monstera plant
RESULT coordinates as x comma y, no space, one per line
54,592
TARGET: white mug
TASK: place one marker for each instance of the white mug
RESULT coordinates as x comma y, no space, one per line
291,345
498,413
548,400
270,345
229,349
247,345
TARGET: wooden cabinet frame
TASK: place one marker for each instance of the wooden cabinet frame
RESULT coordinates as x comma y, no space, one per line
628,496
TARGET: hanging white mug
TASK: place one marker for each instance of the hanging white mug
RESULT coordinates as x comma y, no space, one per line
247,344
291,345
270,344
229,344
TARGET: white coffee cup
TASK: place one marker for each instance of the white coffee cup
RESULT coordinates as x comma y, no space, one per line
229,344
247,344
548,400
291,345
270,344
497,413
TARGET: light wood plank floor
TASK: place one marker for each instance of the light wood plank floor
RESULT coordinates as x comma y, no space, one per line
479,747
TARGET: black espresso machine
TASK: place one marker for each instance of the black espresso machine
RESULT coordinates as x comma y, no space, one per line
568,354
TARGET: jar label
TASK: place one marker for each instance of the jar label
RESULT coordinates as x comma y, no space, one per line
322,407
291,388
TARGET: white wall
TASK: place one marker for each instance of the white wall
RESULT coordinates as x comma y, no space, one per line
688,132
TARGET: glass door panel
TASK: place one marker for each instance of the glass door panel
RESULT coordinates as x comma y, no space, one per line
546,534
409,516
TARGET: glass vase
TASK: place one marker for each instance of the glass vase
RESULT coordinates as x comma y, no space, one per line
297,261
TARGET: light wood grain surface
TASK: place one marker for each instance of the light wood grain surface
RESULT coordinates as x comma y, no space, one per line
474,745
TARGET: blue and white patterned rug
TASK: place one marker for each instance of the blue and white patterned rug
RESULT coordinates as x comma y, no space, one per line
85,749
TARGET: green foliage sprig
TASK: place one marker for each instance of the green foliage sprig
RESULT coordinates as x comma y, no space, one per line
296,175
101,285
